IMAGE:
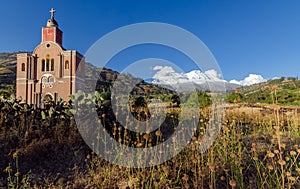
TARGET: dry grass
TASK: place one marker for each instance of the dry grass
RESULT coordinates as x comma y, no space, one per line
256,148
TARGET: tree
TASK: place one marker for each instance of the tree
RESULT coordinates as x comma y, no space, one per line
234,97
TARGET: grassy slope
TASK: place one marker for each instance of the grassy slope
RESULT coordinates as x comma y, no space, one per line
284,91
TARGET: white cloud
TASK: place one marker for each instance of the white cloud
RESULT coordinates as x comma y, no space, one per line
275,78
167,75
158,67
249,80
235,82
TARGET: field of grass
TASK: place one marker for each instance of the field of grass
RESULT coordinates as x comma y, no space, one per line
257,147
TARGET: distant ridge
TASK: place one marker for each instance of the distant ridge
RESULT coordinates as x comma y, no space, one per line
284,91
107,76
103,77
8,63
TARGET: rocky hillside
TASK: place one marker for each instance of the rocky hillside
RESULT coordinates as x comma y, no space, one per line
107,77
287,89
7,70
104,78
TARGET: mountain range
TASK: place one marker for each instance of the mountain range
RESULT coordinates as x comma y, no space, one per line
165,76
208,80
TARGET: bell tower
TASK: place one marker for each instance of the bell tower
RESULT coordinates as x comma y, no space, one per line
51,32
50,71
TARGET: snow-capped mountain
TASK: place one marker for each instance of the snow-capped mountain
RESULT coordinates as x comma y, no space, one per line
168,75
208,80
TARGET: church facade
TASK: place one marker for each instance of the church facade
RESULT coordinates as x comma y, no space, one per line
50,71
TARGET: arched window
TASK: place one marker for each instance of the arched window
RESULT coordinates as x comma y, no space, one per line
52,65
43,65
47,64
67,65
44,80
51,80
23,67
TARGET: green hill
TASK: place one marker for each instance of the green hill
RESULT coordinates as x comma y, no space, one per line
284,91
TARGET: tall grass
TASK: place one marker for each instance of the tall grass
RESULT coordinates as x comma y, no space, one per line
256,148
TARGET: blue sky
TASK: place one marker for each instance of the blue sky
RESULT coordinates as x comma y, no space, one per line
254,36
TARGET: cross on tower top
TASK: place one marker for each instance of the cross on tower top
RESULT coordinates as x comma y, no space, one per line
52,11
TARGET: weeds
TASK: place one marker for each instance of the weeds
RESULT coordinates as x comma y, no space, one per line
14,179
256,148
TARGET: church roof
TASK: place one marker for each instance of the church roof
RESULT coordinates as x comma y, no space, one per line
52,22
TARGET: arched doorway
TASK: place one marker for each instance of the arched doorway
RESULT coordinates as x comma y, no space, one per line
47,100
48,97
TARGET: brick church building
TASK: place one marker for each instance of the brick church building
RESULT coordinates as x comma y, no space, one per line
50,71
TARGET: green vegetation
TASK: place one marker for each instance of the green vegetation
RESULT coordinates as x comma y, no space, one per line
196,99
284,91
4,93
251,151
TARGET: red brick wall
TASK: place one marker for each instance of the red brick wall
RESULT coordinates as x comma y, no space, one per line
52,34
66,81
